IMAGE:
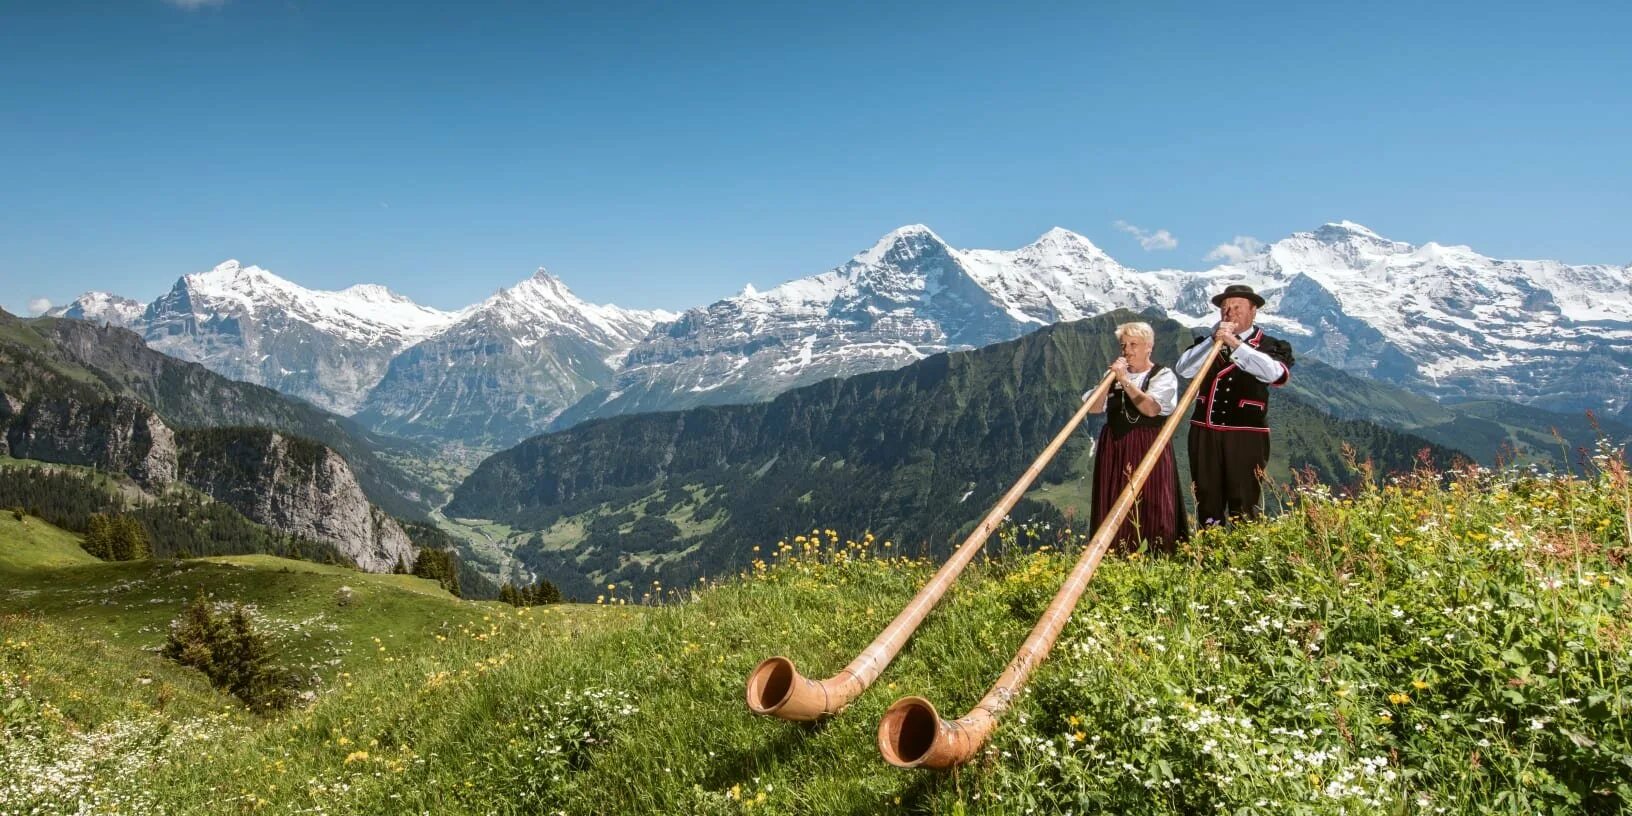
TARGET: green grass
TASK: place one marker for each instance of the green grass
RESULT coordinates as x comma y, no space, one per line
131,604
29,544
1409,649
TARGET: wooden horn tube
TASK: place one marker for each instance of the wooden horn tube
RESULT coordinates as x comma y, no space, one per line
777,689
913,734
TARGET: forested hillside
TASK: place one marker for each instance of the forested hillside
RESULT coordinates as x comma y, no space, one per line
913,455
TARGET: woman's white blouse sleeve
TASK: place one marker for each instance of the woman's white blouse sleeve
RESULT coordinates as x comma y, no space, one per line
1164,388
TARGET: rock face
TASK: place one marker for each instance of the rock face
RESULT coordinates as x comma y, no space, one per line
118,435
295,486
188,395
9,407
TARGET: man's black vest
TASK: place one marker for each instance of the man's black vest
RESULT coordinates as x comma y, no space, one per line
1120,412
1233,400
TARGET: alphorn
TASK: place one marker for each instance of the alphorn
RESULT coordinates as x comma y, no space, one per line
912,733
777,689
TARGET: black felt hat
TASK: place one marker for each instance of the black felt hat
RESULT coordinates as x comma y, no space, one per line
1239,290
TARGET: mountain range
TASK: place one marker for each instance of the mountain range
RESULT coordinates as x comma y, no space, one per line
1439,320
914,455
489,374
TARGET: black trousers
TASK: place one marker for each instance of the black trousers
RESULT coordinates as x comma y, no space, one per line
1225,467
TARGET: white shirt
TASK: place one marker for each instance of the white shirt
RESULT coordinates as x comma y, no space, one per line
1164,388
1258,364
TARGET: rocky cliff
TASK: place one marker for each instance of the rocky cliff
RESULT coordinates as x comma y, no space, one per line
117,435
296,486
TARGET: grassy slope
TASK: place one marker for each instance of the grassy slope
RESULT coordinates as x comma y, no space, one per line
129,605
1462,649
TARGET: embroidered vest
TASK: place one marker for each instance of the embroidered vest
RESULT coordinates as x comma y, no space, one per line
1122,415
1233,400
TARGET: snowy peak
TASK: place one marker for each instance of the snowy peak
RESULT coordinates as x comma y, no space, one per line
900,246
1061,241
367,313
101,307
542,306
1346,230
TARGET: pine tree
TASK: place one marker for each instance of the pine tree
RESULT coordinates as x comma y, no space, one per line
440,566
99,537
229,651
127,539
539,594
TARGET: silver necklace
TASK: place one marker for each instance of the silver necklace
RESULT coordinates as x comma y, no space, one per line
1125,401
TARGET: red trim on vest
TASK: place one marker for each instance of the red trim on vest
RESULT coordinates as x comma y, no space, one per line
1212,392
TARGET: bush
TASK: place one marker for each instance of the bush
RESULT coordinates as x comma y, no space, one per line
224,644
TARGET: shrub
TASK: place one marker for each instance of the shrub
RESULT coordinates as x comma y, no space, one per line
223,643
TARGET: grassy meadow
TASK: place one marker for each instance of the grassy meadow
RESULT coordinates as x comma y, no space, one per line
1455,644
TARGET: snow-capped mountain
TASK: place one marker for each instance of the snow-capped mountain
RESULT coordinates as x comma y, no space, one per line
1447,321
909,296
102,307
507,367
1441,320
329,348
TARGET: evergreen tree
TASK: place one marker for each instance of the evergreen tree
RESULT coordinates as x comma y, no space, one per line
127,539
99,537
440,566
228,650
539,594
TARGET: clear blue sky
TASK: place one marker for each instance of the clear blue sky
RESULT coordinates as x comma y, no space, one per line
663,154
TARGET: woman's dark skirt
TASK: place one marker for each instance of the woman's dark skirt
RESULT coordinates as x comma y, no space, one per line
1157,517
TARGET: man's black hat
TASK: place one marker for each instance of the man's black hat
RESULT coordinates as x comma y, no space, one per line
1239,290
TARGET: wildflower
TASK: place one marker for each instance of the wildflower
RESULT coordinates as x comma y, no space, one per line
1399,698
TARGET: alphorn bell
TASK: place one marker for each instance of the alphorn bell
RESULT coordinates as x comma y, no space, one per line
777,689
912,733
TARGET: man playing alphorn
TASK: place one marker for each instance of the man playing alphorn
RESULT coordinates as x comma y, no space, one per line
1229,430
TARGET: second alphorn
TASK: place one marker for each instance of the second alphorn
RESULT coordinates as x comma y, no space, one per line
777,689
912,733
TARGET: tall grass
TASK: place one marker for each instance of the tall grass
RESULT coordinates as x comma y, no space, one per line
1440,644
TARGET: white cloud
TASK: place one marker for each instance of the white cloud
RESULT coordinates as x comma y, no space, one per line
1160,239
1238,249
38,306
195,4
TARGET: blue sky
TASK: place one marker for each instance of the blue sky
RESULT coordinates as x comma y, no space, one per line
663,154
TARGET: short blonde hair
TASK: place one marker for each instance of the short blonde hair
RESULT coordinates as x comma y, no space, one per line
1140,330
